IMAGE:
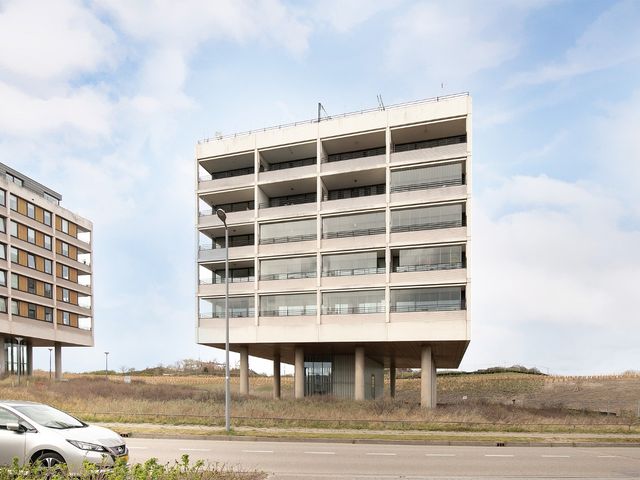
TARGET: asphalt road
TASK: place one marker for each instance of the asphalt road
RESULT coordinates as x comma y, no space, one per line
310,460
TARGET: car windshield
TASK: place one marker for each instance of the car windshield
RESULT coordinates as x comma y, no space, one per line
49,417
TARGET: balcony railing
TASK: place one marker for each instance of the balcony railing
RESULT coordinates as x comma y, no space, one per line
351,309
232,314
371,152
290,311
235,241
428,267
355,192
445,223
303,162
355,233
429,307
220,281
288,276
435,183
348,272
230,207
290,200
438,142
228,174
288,239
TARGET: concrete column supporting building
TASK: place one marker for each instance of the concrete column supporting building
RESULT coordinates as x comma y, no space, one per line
58,360
276,376
426,379
244,370
434,383
359,376
29,358
392,378
3,359
299,373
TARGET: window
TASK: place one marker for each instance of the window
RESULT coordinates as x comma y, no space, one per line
2,197
47,242
31,310
2,225
31,210
3,251
364,301
285,232
14,280
7,417
353,225
31,285
285,305
14,228
31,235
48,314
421,178
64,249
48,266
48,290
3,306
286,268
347,264
31,260
51,198
427,299
65,295
66,318
65,272
14,179
46,217
238,307
425,259
64,224
427,218
13,202
15,309
14,254
3,278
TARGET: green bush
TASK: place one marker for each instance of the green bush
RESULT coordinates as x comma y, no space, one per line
150,470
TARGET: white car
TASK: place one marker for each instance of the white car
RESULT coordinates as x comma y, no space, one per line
35,432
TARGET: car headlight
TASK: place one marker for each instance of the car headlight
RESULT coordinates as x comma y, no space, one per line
87,446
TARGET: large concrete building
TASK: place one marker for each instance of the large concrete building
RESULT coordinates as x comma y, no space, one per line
349,246
45,274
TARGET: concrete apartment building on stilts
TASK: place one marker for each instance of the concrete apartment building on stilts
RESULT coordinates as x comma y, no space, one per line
349,246
45,275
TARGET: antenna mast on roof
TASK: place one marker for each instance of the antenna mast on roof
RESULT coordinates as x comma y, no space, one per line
320,110
380,102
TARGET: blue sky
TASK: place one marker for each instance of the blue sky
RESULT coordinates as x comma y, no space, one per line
104,101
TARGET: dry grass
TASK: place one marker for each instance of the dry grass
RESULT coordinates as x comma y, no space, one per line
542,403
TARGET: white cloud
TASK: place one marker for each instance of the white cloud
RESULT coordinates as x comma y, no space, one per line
84,110
345,16
52,40
450,42
612,39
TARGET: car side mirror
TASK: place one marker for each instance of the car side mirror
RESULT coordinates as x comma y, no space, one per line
15,427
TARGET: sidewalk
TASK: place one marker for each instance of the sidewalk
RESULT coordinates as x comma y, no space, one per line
373,436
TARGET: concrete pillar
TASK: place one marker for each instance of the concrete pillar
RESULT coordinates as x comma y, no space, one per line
276,375
299,373
3,357
244,370
426,381
359,377
392,378
29,358
58,355
434,383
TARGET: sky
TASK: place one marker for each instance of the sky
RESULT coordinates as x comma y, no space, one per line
104,101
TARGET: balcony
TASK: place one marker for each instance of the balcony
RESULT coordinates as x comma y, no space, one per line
224,172
355,152
288,163
238,212
430,154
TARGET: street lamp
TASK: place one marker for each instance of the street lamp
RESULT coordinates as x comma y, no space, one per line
227,390
19,340
106,365
50,350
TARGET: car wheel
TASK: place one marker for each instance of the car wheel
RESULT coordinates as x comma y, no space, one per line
50,460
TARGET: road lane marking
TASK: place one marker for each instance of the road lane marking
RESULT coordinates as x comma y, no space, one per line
496,455
194,449
440,454
608,456
320,453
555,456
257,451
383,454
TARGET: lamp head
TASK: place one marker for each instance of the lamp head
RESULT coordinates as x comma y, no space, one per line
222,215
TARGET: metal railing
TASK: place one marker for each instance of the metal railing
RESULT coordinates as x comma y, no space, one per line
228,174
436,183
428,226
230,207
288,239
356,192
355,233
342,115
288,276
290,311
241,241
348,272
232,314
428,267
303,162
430,307
221,281
370,152
437,142
276,202
355,309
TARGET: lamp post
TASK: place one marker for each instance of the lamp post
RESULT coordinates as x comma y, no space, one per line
106,365
50,350
19,340
227,390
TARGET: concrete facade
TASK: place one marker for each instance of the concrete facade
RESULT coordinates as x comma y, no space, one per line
46,290
349,245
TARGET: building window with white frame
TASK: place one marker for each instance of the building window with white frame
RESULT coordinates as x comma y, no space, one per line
65,295
46,217
66,318
65,272
64,249
31,235
31,210
13,202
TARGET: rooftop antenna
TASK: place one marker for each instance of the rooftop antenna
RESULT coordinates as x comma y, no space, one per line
320,110
380,102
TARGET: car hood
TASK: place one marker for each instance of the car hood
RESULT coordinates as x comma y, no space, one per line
91,434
